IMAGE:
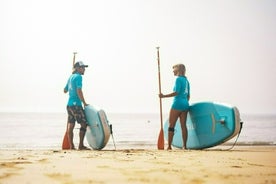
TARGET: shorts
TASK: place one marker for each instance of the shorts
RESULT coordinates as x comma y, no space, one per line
76,113
180,105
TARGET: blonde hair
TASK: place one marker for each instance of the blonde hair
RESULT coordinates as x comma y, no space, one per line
180,68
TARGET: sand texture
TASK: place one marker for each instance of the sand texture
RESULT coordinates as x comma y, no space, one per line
251,164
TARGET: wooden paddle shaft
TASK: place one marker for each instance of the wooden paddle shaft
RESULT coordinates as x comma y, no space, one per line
74,58
159,80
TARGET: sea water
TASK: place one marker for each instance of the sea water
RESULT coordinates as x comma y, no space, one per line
137,131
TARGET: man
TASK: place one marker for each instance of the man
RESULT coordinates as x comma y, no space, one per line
74,106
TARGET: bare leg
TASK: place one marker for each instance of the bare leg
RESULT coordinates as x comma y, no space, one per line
170,138
174,114
70,128
183,118
82,134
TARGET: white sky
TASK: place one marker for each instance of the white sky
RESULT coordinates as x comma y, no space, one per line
228,47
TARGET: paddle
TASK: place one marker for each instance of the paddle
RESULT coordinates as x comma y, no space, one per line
74,58
65,142
160,143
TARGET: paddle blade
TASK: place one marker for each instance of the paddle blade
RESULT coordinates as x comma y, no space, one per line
65,143
160,143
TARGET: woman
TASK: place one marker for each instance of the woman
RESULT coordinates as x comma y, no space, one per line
180,106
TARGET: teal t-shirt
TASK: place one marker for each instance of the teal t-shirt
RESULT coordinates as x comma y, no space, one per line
182,87
74,82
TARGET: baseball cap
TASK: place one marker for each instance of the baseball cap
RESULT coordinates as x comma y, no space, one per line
80,64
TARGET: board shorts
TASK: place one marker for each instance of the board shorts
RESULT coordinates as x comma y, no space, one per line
180,105
76,113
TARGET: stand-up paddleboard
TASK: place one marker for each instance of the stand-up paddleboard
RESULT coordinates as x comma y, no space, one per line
98,129
209,124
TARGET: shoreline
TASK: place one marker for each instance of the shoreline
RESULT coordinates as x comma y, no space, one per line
242,164
142,145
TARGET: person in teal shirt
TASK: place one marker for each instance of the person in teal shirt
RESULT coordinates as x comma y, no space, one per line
180,105
75,110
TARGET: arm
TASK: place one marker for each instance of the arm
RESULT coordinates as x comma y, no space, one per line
168,95
65,90
80,94
174,93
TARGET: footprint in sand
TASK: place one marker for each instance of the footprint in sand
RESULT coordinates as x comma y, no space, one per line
11,168
43,160
7,174
59,177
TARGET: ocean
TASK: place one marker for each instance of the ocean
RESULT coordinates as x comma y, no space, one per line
130,131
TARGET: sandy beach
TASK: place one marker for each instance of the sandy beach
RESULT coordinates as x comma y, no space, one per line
243,164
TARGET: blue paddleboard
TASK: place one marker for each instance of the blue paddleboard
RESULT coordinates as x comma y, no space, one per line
209,124
98,130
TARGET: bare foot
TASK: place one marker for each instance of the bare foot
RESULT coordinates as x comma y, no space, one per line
72,147
83,148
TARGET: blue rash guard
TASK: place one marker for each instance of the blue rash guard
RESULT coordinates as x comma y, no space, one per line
182,88
74,83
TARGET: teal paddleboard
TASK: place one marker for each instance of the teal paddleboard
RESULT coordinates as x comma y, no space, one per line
209,124
98,129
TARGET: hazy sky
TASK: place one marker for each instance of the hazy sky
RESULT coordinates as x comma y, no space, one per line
228,47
